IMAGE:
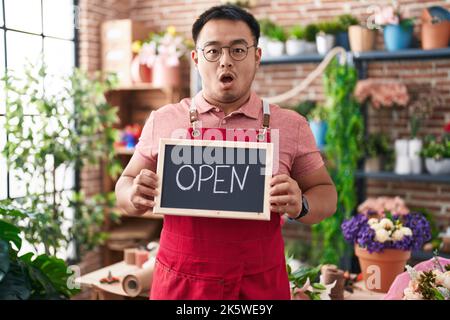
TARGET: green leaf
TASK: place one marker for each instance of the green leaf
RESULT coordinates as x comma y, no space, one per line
15,285
4,259
8,232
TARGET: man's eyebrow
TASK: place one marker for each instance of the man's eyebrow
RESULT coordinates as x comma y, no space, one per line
231,43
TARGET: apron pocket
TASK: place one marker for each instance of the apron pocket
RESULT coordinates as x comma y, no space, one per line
169,284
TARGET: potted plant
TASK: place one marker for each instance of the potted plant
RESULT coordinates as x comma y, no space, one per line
376,147
317,119
420,109
296,44
325,38
436,151
435,30
397,30
343,23
266,26
141,71
383,233
311,31
170,48
28,276
277,38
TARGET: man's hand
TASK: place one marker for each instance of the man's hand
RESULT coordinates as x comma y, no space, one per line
285,196
144,190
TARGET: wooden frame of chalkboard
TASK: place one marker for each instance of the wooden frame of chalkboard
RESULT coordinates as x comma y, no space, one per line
262,148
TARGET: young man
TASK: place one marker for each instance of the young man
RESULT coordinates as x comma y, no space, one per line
210,258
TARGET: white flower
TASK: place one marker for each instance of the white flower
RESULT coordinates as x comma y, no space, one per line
446,280
387,224
382,235
372,221
409,294
406,231
397,235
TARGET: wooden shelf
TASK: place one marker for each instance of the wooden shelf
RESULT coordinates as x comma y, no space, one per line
406,177
382,55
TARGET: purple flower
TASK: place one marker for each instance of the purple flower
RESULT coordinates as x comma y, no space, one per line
357,230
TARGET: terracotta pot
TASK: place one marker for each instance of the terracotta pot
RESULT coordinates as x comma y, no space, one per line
140,73
372,164
361,39
380,269
435,36
165,76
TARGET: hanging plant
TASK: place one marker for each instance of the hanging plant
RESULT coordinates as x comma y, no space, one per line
343,150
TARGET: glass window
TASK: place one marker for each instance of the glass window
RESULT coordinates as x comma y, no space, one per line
24,15
3,169
22,48
59,56
58,16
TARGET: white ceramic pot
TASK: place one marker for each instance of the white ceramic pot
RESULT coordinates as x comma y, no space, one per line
402,165
311,47
414,148
275,48
295,47
438,166
324,42
401,147
263,44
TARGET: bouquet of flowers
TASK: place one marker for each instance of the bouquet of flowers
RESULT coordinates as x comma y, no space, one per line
391,15
428,280
382,93
386,223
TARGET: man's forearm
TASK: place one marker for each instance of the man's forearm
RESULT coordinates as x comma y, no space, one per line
123,189
322,200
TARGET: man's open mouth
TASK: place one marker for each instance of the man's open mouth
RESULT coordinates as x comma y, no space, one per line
226,78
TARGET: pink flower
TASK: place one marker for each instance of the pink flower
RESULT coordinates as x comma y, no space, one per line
387,15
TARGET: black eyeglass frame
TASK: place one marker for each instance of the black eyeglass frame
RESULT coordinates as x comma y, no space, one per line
229,52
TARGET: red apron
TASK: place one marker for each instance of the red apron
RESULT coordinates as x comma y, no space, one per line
215,259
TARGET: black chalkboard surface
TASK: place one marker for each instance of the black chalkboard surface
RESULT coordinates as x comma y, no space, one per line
210,178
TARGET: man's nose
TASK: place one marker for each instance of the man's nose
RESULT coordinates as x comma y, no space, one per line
225,59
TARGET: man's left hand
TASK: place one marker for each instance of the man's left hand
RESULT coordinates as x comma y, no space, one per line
285,195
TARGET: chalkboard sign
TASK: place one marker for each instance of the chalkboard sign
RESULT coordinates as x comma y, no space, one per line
211,178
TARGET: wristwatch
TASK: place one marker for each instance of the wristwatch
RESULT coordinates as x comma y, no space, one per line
305,209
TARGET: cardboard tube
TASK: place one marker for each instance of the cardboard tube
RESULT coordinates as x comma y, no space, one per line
137,282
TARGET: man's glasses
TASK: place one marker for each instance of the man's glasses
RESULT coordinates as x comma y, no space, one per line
213,52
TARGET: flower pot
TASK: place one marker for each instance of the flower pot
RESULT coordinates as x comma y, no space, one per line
295,47
402,160
372,164
435,36
342,40
361,39
310,47
263,44
380,269
275,48
324,42
165,75
140,73
397,37
414,148
437,166
319,130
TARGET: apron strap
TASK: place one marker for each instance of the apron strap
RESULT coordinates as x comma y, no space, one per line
193,118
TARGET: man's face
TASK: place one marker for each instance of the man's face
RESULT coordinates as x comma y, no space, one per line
226,80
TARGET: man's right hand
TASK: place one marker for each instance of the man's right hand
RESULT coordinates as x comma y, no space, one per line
143,190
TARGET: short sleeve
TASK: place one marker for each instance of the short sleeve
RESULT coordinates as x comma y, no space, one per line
307,157
146,146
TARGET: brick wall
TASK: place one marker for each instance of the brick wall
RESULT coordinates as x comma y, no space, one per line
272,80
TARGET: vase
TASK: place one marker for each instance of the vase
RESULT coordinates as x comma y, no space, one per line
441,166
324,42
372,164
402,160
275,48
295,47
342,40
140,73
414,148
397,37
164,75
380,269
435,36
319,130
361,39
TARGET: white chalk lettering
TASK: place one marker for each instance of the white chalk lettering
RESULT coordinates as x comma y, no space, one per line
178,178
234,174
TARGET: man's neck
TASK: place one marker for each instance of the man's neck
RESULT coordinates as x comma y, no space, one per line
228,108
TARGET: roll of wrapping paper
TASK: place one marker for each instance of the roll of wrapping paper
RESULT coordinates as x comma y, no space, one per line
136,282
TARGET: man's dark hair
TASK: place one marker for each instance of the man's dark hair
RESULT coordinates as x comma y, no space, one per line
226,12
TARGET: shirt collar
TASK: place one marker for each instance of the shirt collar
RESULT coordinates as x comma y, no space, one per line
251,108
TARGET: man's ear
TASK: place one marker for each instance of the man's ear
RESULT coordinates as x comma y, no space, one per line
258,53
194,57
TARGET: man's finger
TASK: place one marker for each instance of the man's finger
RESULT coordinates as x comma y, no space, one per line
144,202
146,191
279,179
146,180
280,188
285,199
149,173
